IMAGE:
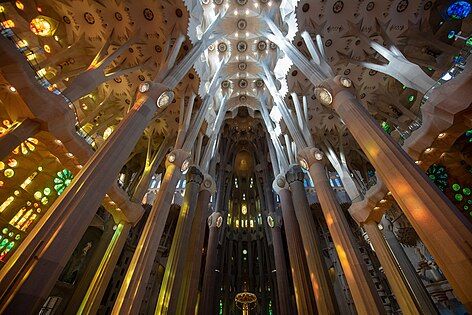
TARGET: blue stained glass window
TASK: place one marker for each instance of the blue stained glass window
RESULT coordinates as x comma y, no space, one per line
459,10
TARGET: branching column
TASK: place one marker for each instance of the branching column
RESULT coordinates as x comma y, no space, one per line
304,296
32,271
168,294
322,286
16,135
191,276
207,303
444,230
360,283
132,290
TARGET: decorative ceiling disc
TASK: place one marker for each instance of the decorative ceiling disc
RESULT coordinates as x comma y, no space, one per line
242,98
260,83
242,66
242,83
222,47
242,24
262,45
242,46
242,2
225,84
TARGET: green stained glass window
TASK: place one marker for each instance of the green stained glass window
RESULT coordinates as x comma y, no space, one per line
458,197
386,127
438,175
456,187
62,180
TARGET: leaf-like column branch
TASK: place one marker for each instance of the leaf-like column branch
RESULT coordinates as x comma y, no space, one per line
95,74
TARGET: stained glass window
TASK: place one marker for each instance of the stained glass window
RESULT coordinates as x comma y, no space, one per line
62,180
459,10
438,175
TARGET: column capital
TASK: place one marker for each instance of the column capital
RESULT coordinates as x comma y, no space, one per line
180,158
279,183
194,175
274,220
294,174
309,156
215,220
208,184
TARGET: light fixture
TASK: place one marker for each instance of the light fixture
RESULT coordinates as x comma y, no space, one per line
319,156
219,221
165,99
12,89
270,221
185,165
171,158
323,95
347,83
428,150
303,163
383,201
144,87
441,135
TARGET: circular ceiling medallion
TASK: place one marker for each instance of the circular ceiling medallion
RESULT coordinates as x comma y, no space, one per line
242,83
272,45
66,19
428,5
242,46
89,18
118,16
217,2
242,66
242,24
211,47
222,47
338,6
305,7
205,1
225,84
370,6
260,83
157,48
262,45
148,14
243,98
402,6
241,2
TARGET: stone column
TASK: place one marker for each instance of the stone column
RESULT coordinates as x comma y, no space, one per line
304,296
421,295
13,137
91,268
440,225
171,283
394,275
207,303
32,271
104,272
322,286
283,287
132,290
360,283
191,276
